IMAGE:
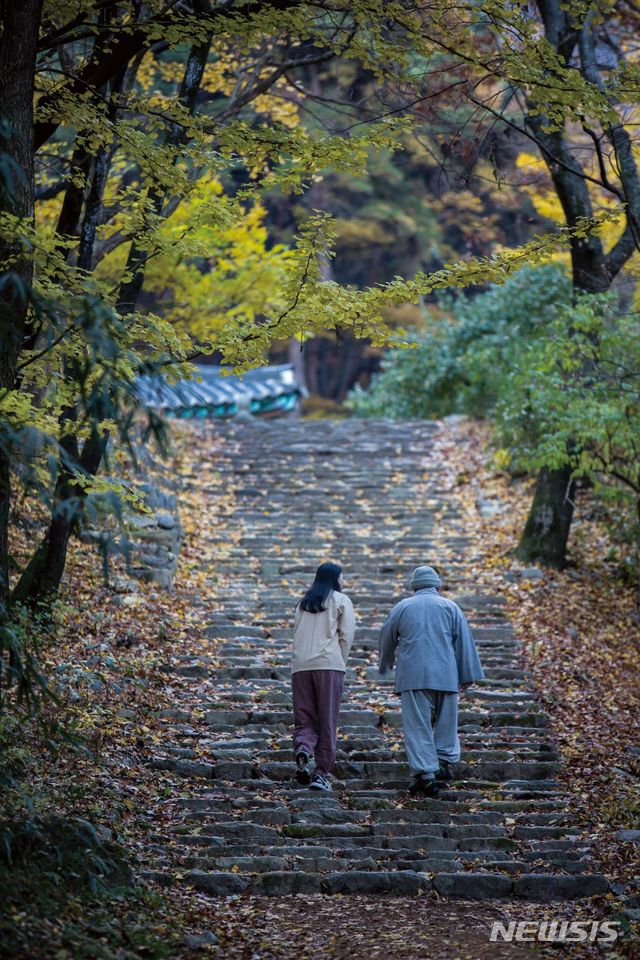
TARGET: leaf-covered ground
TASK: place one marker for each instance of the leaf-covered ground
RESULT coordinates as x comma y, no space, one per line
581,632
582,642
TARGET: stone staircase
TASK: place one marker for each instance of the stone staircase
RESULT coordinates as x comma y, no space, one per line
369,495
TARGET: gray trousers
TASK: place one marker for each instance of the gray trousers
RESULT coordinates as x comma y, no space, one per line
430,725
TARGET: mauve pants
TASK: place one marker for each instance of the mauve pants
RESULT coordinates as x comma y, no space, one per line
316,707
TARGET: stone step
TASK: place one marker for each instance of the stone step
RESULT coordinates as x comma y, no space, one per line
381,821
469,885
374,772
196,847
501,829
351,719
329,860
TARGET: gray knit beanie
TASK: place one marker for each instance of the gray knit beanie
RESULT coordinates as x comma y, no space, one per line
425,577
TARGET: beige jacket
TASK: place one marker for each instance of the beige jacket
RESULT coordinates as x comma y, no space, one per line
321,641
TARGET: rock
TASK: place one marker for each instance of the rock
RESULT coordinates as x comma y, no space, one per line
303,830
241,830
266,864
140,521
218,884
215,718
286,882
152,559
124,585
531,573
399,882
270,817
194,768
421,843
132,600
547,887
462,831
159,877
181,715
195,940
164,520
473,886
234,771
489,507
629,836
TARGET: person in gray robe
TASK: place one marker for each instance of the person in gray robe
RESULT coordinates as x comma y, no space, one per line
429,640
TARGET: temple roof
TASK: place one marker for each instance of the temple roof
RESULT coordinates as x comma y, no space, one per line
270,391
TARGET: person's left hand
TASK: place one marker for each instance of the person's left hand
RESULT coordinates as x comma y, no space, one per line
464,686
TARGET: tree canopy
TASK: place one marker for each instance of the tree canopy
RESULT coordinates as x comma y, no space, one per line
149,148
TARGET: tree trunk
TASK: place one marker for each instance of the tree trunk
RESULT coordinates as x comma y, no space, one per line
296,359
41,578
345,370
546,532
20,25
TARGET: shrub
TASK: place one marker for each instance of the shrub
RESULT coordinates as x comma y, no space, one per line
574,399
559,378
461,364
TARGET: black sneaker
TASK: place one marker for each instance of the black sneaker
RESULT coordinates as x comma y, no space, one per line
303,773
443,773
425,785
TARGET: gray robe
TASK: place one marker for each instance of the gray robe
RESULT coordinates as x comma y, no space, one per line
429,639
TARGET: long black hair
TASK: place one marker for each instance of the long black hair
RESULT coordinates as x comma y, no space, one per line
326,580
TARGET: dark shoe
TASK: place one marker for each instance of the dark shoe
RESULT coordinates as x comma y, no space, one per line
444,772
303,773
425,785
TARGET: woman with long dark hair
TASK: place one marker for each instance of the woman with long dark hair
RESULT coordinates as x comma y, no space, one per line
322,636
